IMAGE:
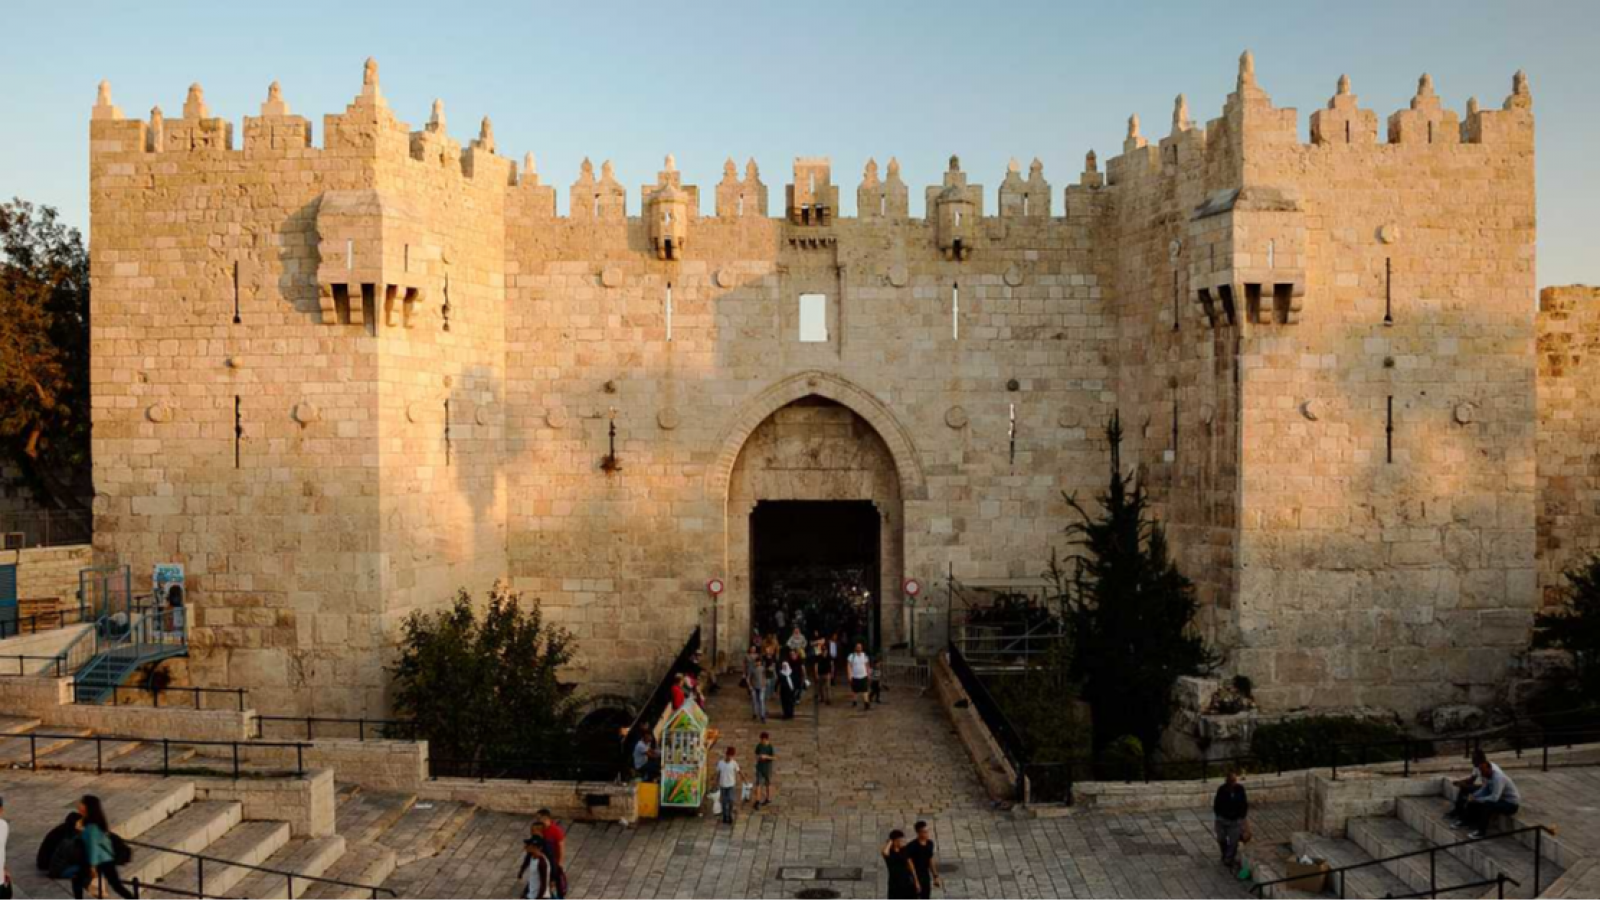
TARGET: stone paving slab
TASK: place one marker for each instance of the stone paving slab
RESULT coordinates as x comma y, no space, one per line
843,782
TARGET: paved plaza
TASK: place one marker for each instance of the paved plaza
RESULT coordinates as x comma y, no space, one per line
843,783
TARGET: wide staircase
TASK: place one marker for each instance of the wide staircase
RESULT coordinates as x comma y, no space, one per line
1389,857
184,846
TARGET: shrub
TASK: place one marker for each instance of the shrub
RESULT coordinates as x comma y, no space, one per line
1575,627
1053,729
1309,742
1122,760
484,687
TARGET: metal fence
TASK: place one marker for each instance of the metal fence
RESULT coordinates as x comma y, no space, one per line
46,528
1005,734
661,698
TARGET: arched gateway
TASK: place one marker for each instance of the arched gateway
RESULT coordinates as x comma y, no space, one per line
814,476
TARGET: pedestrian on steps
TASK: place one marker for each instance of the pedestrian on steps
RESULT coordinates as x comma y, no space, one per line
755,680
98,854
1231,808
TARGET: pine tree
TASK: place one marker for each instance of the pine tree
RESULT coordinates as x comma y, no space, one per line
1130,611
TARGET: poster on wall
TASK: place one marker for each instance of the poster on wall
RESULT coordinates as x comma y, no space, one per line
167,584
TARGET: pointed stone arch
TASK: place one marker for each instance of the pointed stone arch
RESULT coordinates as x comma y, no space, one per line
908,464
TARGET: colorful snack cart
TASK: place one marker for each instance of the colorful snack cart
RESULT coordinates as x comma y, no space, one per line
683,757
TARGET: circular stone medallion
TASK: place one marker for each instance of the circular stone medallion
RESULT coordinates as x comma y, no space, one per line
556,419
611,276
667,419
899,275
483,414
306,412
158,412
1013,276
955,417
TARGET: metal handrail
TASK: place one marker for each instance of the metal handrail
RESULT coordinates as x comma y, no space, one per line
13,625
167,744
138,888
157,691
202,859
1499,882
661,697
1006,735
1538,855
1541,740
360,723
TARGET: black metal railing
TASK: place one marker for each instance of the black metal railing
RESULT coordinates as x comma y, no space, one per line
50,528
343,728
199,891
129,695
1431,852
1499,882
1006,735
661,698
49,621
521,769
1517,742
232,764
54,665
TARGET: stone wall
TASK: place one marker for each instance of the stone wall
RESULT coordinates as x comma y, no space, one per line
609,801
341,382
307,803
1569,433
49,572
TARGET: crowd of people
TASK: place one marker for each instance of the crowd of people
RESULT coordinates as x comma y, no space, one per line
797,666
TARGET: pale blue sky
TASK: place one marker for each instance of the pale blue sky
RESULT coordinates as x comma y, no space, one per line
634,81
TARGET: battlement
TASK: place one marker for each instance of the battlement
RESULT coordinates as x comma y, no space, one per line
368,129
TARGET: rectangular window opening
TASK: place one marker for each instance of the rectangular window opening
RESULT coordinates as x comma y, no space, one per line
955,312
813,318
236,319
669,311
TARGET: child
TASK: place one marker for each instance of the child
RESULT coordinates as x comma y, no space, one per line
766,754
875,695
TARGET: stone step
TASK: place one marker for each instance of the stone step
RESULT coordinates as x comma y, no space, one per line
147,758
1366,882
16,725
363,816
425,829
301,856
1387,836
134,813
1488,858
191,829
250,842
366,863
88,755
19,750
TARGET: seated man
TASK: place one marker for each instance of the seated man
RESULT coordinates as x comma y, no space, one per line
1464,787
647,758
1498,796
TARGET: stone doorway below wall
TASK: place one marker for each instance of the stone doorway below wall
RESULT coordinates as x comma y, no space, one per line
816,564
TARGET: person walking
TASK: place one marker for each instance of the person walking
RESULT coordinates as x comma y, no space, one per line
766,756
797,641
1497,797
788,689
99,855
755,679
728,783
537,865
860,666
920,850
1230,808
835,662
902,875
555,848
824,670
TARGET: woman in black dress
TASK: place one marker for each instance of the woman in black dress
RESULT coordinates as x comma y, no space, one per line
902,875
788,683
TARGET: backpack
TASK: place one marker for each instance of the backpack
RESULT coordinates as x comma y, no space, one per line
120,851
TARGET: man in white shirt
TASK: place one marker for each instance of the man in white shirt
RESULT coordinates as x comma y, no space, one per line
728,784
860,669
537,866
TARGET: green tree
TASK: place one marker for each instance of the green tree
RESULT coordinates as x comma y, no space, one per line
485,687
44,353
1575,627
1130,611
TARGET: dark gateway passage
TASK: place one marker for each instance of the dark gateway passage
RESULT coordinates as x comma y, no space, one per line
815,564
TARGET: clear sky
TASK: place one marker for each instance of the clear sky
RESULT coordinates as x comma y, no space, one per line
632,81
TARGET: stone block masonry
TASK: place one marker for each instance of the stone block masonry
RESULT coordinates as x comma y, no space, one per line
340,382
